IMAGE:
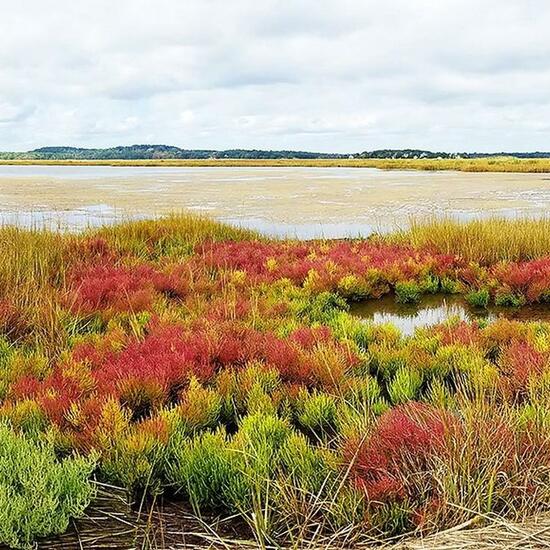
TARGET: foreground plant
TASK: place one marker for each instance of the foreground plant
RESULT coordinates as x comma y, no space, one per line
39,494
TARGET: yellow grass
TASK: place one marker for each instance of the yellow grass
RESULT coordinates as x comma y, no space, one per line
31,257
176,234
483,240
492,164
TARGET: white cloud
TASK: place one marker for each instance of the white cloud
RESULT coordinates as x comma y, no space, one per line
328,75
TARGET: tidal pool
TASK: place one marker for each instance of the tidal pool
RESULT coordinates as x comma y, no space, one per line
436,309
279,201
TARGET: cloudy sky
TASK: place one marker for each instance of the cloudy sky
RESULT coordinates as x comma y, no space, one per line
324,75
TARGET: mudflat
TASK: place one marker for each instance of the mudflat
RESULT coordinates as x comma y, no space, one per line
278,200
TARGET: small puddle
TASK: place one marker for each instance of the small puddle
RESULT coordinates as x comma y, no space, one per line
437,309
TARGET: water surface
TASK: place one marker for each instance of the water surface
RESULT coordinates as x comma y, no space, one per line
436,309
279,201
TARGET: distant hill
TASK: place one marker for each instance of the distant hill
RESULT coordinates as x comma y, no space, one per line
137,152
134,152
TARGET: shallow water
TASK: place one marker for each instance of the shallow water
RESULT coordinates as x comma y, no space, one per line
436,309
285,202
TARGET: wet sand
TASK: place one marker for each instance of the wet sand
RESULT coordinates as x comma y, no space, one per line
303,202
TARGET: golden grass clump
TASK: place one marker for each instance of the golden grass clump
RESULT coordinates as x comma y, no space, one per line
489,164
173,234
36,256
484,240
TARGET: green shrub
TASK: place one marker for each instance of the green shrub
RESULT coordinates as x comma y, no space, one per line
320,308
268,379
353,288
509,299
260,437
407,292
316,412
200,407
308,467
258,401
478,298
201,468
38,493
350,329
247,391
386,360
429,285
405,385
308,476
256,447
362,391
450,286
137,457
26,416
361,403
354,421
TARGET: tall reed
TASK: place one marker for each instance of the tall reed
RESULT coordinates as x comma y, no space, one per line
483,240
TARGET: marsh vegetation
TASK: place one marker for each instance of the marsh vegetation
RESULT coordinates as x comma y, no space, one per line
489,164
221,369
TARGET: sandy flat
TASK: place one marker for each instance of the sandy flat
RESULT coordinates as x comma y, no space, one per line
265,197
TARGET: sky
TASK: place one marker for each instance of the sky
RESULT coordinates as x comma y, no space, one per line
318,75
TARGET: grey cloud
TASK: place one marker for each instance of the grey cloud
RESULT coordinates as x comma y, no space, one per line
11,113
342,75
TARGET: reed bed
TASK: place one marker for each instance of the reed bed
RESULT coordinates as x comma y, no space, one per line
485,241
491,164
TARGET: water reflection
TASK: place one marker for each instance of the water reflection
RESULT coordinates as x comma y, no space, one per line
329,230
436,309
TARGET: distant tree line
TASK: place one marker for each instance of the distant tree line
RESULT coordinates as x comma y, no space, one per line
421,154
404,154
136,152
